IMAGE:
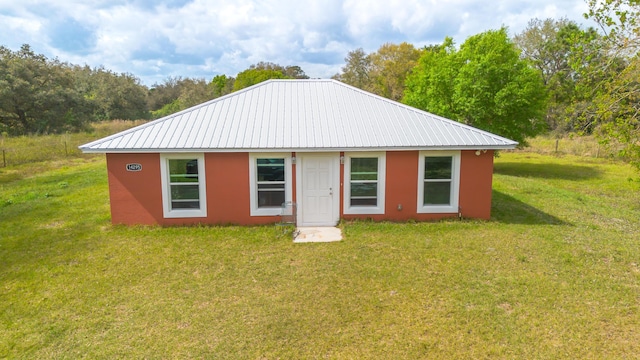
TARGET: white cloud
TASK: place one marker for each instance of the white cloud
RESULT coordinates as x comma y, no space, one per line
201,38
24,25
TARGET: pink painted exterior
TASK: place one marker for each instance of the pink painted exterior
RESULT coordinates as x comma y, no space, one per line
136,197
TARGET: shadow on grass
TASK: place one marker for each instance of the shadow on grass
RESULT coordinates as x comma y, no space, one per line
509,210
547,171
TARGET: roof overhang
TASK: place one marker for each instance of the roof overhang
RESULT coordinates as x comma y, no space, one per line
274,150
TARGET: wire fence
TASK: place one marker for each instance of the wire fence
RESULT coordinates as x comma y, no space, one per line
38,149
585,146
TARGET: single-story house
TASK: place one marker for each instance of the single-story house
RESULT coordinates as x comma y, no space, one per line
334,150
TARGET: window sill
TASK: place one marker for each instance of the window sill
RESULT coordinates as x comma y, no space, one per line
176,214
438,210
364,210
275,211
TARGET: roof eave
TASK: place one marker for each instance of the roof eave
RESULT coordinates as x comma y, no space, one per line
333,149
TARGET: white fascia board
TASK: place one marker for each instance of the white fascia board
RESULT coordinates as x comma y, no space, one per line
279,150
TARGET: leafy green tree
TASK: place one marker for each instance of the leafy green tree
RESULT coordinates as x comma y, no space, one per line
548,45
168,109
390,66
431,84
290,72
38,95
594,66
294,72
221,85
194,92
356,71
178,93
382,72
112,95
619,20
618,104
564,54
251,77
484,84
119,96
258,73
191,92
164,93
619,109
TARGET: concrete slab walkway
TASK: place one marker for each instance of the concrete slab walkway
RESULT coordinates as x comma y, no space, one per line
318,234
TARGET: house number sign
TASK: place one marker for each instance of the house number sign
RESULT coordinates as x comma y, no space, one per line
134,167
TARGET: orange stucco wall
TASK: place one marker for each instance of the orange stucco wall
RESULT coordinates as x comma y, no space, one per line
401,197
476,176
136,197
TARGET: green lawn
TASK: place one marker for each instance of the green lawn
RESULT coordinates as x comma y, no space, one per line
554,274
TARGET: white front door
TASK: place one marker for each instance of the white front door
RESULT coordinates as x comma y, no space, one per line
318,189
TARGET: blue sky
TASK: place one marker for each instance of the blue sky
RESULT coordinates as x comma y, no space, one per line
154,40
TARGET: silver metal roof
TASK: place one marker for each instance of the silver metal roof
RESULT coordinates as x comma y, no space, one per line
299,115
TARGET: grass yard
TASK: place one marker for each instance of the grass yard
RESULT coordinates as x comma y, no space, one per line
554,274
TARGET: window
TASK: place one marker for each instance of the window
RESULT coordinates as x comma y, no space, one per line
270,183
438,181
364,176
183,185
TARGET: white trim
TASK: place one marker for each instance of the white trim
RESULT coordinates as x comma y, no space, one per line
253,188
455,183
166,187
307,150
379,208
336,186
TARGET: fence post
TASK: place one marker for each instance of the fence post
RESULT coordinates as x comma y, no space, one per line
4,159
557,141
66,153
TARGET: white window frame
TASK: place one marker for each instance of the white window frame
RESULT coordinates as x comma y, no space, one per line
168,212
253,183
382,172
454,196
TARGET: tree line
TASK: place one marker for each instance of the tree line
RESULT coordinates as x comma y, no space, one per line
554,76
